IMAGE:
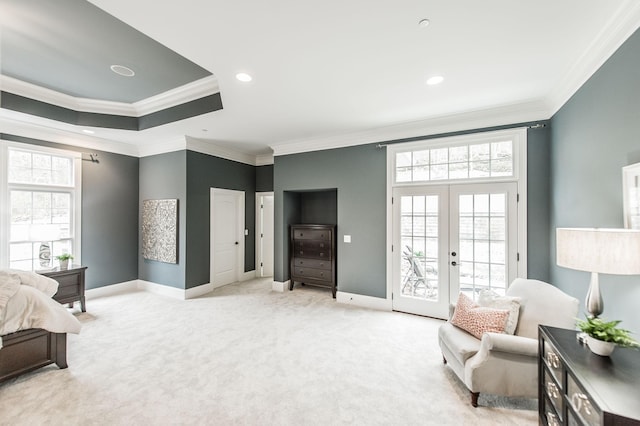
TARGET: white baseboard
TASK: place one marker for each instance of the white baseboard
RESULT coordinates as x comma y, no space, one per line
164,290
201,290
110,290
364,301
280,286
248,276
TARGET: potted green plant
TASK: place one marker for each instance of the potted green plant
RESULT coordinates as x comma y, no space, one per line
603,336
63,259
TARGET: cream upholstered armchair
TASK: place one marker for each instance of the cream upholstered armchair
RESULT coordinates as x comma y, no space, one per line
504,364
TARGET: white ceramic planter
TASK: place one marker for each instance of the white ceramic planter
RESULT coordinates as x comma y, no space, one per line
599,347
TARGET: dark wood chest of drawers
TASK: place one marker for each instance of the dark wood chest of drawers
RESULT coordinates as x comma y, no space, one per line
578,387
70,285
313,256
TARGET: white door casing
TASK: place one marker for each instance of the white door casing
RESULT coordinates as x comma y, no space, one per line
227,239
264,234
485,160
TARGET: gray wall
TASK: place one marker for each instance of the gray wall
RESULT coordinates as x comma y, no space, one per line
109,214
264,178
359,174
538,202
204,172
594,135
164,177
110,219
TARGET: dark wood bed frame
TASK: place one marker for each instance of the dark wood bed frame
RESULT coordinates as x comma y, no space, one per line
28,350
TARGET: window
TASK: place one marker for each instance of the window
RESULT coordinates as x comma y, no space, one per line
492,159
41,189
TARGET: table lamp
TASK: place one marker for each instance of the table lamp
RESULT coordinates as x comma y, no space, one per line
599,251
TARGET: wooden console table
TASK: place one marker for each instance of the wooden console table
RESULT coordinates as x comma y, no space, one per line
71,285
578,387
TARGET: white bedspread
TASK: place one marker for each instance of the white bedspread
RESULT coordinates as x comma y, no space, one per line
25,302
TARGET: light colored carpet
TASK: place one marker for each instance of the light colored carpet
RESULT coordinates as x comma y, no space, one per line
244,355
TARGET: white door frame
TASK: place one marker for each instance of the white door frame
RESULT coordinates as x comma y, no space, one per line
259,231
520,163
240,232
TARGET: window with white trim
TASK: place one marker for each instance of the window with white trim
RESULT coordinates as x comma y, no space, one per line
460,161
41,190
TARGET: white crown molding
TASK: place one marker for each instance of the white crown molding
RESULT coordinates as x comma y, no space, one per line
25,125
613,34
264,160
189,92
177,96
27,129
156,148
204,146
498,116
42,94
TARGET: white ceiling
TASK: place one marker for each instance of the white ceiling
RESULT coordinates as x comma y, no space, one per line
339,72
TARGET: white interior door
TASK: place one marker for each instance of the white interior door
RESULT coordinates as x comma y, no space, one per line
451,238
265,236
227,241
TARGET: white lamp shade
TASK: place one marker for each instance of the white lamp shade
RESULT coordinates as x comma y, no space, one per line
606,251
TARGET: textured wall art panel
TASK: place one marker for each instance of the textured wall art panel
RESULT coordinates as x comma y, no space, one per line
160,230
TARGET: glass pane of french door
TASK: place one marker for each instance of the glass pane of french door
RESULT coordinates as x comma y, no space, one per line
483,238
420,253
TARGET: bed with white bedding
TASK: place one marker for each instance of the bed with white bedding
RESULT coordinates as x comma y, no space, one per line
33,326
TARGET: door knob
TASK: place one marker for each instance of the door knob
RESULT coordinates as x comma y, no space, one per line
454,263
237,243
453,253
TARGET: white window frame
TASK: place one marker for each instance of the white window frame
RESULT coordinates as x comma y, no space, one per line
5,188
519,138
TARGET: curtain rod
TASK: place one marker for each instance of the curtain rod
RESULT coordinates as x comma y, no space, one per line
533,126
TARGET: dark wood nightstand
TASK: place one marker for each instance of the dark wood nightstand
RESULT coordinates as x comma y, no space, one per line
71,285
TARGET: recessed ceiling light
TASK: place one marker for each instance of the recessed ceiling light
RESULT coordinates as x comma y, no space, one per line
244,77
424,23
122,70
436,79
87,131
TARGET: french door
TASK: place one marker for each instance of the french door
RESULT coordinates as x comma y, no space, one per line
452,238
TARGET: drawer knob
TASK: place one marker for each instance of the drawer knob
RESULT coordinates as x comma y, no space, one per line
581,403
554,360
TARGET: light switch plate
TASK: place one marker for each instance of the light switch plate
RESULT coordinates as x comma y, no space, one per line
347,238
